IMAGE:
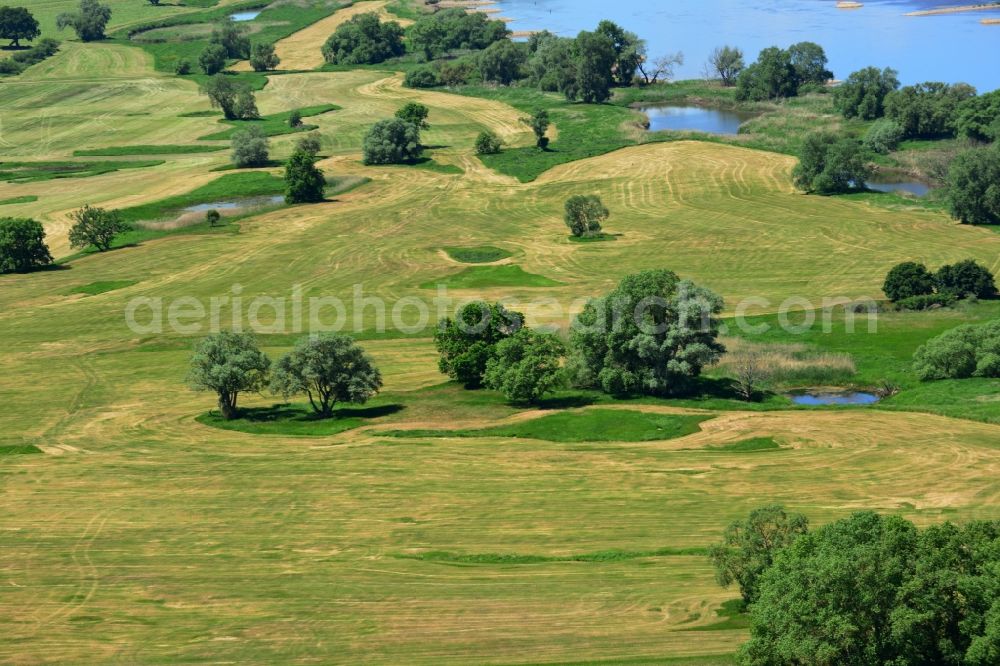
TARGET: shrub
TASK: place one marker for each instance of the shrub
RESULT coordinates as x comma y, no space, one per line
392,141
422,77
364,40
966,278
97,227
926,302
584,215
467,342
22,245
329,369
960,353
908,279
525,366
250,147
183,67
457,72
488,143
883,137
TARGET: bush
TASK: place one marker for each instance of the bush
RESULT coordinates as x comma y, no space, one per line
960,353
907,280
488,143
364,40
926,302
392,141
457,72
467,342
883,137
584,215
422,77
183,67
22,245
966,278
250,147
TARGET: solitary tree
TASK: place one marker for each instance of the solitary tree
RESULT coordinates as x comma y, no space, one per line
414,113
89,21
17,23
488,143
213,59
750,372
97,227
329,369
228,364
539,124
467,341
585,214
749,546
263,58
213,217
294,118
304,183
525,366
907,280
250,147
392,141
974,186
22,245
727,63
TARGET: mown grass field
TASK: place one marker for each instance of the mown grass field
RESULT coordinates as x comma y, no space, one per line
137,530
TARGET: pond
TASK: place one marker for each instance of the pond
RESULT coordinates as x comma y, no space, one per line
813,398
236,204
915,188
694,119
245,16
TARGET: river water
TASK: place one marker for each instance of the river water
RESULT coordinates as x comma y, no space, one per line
951,48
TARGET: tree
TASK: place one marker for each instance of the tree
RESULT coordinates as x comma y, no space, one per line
414,113
978,118
364,40
749,373
652,335
907,280
863,94
501,62
595,60
88,22
749,547
929,109
829,164
183,67
250,147
263,58
17,23
960,353
525,366
310,143
809,62
727,63
228,364
539,124
773,76
222,93
662,68
488,143
551,63
883,136
97,227
22,245
449,29
422,77
231,36
628,48
329,369
585,214
213,217
213,59
974,186
304,183
467,342
392,141
294,118
245,105
966,278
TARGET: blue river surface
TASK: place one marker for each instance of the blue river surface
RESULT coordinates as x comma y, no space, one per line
950,48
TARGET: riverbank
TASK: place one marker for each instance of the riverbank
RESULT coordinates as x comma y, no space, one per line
985,7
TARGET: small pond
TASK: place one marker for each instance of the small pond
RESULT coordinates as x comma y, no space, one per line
245,16
813,398
915,188
236,204
694,119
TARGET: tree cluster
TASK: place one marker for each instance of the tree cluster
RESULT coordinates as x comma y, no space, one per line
830,163
453,29
21,60
364,40
89,21
911,280
963,352
928,110
974,186
780,73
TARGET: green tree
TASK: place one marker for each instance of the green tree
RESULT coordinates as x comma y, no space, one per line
310,143
183,67
467,342
229,364
17,23
974,186
539,123
978,118
231,36
392,141
907,280
966,278
364,40
437,33
304,183
960,353
414,113
928,110
222,93
250,147
629,51
213,59
585,214
245,105
294,118
883,136
213,217
863,94
727,63
525,366
809,62
773,76
89,21
263,58
594,54
551,65
652,335
97,227
330,369
22,245
488,143
829,164
501,62
749,546
422,77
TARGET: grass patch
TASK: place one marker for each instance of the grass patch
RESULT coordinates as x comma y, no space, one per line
733,616
95,288
118,151
229,186
485,254
275,124
446,557
18,200
593,425
298,420
748,446
18,449
476,277
33,172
